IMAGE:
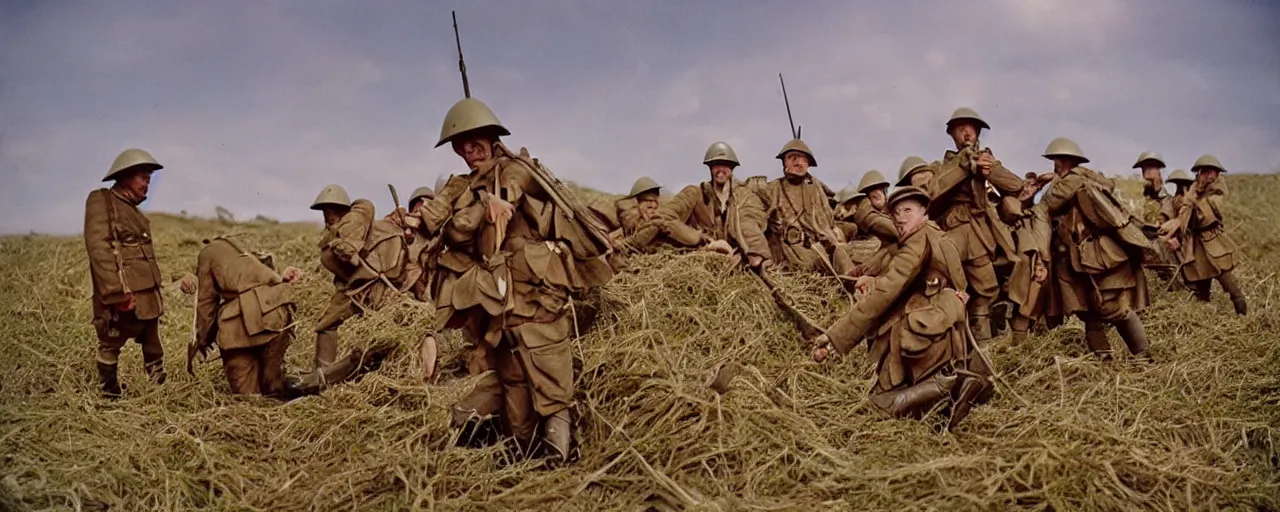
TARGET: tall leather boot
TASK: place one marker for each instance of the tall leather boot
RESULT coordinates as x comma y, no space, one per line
326,348
1000,316
1134,335
155,371
980,318
1019,327
1095,337
557,435
973,390
1233,290
916,399
107,375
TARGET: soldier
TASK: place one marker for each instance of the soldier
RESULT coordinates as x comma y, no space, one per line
642,228
915,172
875,225
801,232
415,278
519,247
247,309
962,208
366,258
1152,183
1209,252
729,217
1096,246
914,317
122,266
1026,288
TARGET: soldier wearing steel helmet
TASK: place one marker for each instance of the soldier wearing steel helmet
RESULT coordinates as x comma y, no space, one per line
1150,163
916,172
963,207
801,229
1095,246
127,303
727,215
415,277
867,211
641,227
367,259
1208,252
519,246
913,316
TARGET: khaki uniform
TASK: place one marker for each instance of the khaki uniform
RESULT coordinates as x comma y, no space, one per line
915,322
963,209
359,251
244,307
877,237
512,287
122,263
1208,252
636,235
801,228
1031,298
1097,268
736,217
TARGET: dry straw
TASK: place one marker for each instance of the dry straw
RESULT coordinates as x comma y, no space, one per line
1195,430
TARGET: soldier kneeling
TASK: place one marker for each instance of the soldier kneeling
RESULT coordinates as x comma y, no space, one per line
914,314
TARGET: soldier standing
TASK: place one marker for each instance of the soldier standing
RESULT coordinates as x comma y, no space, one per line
1096,250
801,230
127,303
914,315
962,208
1152,183
246,308
519,247
1209,252
728,215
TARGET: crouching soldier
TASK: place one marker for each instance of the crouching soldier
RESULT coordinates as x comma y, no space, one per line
1208,252
914,315
1096,252
246,309
122,265
726,212
642,229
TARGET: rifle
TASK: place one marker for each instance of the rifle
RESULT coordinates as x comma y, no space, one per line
497,175
462,64
808,329
795,132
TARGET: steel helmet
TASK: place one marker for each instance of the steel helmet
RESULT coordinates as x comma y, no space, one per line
720,152
967,114
1149,155
331,195
871,180
467,115
132,159
1180,176
422,192
800,146
910,166
1063,146
1209,161
642,185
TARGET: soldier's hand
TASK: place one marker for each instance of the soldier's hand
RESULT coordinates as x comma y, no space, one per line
428,353
822,349
127,305
863,284
755,260
858,271
986,162
1172,243
291,274
1168,228
187,284
1040,272
964,296
499,210
719,246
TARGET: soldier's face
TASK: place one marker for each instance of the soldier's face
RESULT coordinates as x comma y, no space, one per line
647,203
908,215
721,173
331,215
474,150
1063,165
415,204
137,183
877,198
921,179
796,164
1207,176
963,133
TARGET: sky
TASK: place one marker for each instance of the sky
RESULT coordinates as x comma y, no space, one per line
256,106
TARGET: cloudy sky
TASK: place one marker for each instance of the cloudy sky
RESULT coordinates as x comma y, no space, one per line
255,106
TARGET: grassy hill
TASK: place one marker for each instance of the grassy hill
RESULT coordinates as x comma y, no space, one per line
1196,430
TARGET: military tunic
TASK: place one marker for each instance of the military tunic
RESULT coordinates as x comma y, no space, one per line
801,230
736,217
912,313
1207,249
244,307
122,264
512,286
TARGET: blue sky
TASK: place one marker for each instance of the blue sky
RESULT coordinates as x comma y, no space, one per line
255,106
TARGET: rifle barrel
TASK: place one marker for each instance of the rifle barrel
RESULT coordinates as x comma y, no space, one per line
794,133
462,64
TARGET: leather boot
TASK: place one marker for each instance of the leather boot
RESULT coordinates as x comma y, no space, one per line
340,371
557,435
1134,335
1019,327
916,399
1202,290
973,390
981,325
1095,337
1000,316
1233,290
326,348
107,375
155,371
476,415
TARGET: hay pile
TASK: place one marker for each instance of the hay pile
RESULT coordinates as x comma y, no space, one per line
1195,430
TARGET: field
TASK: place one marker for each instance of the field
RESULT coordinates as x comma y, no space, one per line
1196,430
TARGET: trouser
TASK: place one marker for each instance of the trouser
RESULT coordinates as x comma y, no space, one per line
257,370
1203,289
339,309
535,365
983,288
146,332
